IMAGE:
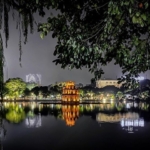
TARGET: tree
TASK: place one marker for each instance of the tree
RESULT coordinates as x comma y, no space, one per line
81,93
144,95
26,92
30,86
36,91
56,89
44,91
119,95
1,68
23,13
93,33
15,87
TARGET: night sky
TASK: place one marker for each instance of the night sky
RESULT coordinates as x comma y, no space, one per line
37,58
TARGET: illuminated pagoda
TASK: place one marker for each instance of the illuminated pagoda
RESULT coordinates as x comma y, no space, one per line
70,114
70,93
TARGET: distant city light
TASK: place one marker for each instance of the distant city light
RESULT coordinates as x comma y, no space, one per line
33,78
132,122
104,100
140,78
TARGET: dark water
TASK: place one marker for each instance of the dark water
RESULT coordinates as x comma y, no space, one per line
33,126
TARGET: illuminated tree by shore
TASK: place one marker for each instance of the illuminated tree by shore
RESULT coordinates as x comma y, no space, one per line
15,87
15,114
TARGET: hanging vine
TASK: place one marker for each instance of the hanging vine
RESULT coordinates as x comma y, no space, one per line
1,66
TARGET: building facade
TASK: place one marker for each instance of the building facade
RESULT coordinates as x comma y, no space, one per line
103,83
33,78
70,93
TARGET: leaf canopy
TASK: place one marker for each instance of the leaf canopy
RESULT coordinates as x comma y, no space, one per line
91,33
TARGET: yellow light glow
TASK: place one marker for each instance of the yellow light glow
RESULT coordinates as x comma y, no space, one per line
104,100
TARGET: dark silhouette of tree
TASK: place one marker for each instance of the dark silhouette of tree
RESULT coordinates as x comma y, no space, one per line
36,91
90,33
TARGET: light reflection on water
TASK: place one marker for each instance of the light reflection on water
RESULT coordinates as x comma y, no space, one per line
31,111
130,117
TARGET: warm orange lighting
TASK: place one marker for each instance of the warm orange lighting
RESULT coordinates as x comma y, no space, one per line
70,114
70,93
140,5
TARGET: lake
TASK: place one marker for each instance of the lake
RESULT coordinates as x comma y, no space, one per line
34,126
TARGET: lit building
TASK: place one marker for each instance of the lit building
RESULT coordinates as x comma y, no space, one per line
34,122
101,117
129,122
70,114
33,78
70,93
103,83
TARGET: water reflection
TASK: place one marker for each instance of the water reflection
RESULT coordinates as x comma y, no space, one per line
31,113
74,124
129,121
101,117
33,121
70,114
2,128
131,124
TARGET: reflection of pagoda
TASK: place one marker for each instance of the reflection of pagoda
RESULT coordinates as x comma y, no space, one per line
70,93
70,114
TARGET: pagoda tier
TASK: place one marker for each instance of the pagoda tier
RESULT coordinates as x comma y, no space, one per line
70,93
70,114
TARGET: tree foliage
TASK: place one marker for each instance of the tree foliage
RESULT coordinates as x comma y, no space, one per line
15,87
1,67
30,86
119,95
93,33
15,114
90,33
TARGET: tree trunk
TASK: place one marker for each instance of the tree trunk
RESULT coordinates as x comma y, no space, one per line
1,68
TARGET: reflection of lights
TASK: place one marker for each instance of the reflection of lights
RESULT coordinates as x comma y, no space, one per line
130,129
122,123
32,106
141,123
52,105
112,100
135,105
34,121
104,100
128,105
136,123
91,106
2,133
132,122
